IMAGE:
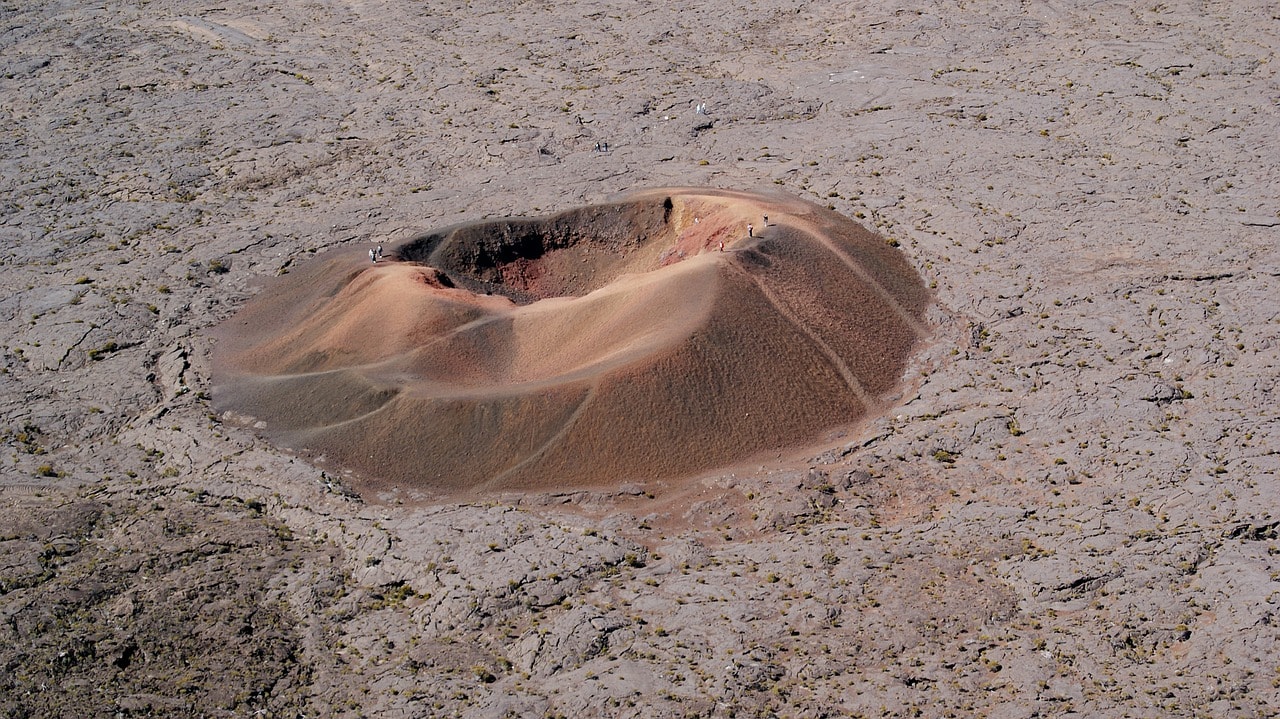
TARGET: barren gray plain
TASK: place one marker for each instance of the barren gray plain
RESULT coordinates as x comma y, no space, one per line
1071,511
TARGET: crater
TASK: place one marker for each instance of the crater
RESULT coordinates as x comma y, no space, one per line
662,335
566,255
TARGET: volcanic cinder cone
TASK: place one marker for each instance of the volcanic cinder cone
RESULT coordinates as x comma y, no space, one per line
604,344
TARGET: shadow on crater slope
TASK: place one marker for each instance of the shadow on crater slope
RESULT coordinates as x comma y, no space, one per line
610,343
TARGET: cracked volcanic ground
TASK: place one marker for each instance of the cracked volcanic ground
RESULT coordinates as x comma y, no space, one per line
1061,503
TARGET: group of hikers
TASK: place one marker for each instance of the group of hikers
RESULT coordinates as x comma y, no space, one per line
751,230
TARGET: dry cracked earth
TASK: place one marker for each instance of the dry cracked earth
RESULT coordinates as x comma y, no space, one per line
1071,510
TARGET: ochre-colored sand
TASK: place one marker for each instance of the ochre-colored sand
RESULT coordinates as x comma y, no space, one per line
606,344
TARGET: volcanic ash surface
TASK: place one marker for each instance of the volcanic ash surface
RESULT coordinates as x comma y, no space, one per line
610,343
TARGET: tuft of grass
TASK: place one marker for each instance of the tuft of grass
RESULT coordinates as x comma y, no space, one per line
103,351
